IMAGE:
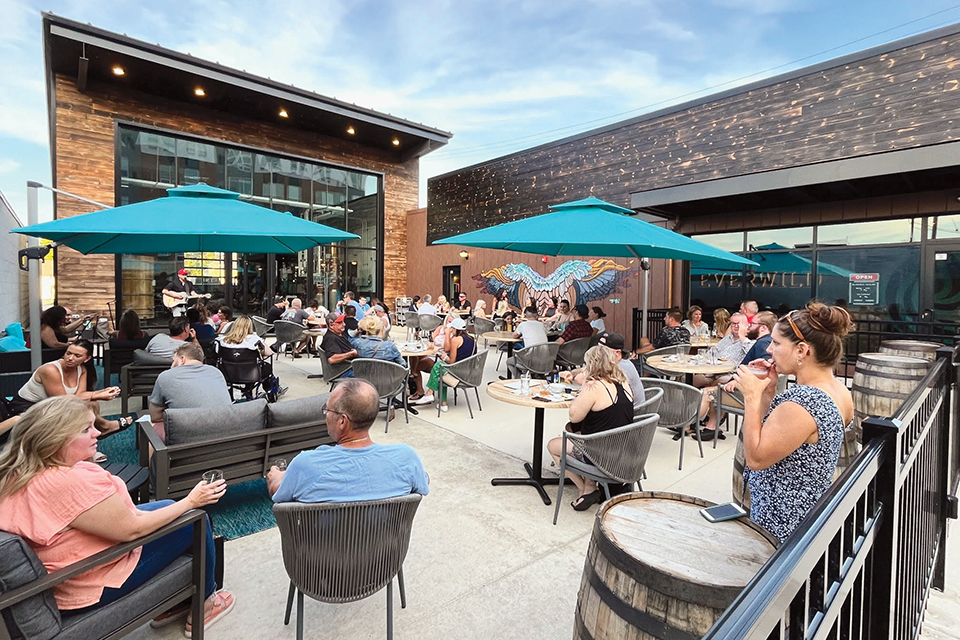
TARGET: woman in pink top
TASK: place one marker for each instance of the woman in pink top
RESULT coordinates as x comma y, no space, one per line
69,509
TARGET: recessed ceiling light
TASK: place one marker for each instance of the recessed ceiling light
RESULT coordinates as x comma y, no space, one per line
284,114
396,142
199,92
118,70
351,130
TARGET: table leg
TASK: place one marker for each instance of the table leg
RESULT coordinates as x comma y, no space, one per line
509,355
534,471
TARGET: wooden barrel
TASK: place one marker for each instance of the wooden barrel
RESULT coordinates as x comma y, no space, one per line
881,382
911,349
656,568
741,492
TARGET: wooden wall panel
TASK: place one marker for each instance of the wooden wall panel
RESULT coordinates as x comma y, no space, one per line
425,274
85,166
898,100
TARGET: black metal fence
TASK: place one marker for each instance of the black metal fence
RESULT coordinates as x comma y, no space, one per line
655,324
863,561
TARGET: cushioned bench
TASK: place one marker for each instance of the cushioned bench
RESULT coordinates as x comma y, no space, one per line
242,440
138,377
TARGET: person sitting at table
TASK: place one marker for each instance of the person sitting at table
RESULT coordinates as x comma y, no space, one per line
130,326
380,312
550,310
480,311
721,322
335,343
605,402
563,317
426,307
414,304
500,304
673,333
509,321
364,308
69,509
695,325
201,330
616,343
749,308
279,306
424,364
442,305
66,376
532,332
579,328
731,348
297,314
356,468
462,304
350,323
596,320
457,345
243,335
164,344
190,384
226,319
369,342
55,331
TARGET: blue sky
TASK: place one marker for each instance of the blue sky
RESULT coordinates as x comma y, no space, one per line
500,75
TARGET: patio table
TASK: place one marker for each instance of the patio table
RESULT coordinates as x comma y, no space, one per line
500,391
691,367
503,336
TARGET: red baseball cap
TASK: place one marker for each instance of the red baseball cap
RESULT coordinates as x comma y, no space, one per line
341,317
182,272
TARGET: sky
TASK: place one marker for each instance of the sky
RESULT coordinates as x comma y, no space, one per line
502,76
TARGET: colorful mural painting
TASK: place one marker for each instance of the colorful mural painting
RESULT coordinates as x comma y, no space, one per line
579,281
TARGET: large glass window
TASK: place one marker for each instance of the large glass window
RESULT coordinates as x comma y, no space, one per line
878,232
149,163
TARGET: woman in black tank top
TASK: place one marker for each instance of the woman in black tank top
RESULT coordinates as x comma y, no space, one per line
605,402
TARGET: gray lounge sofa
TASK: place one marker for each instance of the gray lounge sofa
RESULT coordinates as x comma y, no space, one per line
242,440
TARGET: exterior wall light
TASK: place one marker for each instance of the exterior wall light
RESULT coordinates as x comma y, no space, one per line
118,70
284,114
351,130
464,255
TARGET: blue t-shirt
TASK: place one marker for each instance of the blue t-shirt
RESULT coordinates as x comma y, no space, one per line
758,350
338,474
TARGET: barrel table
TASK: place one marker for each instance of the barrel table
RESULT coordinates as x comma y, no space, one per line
911,348
656,568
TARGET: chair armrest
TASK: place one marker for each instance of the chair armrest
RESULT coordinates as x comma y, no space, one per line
195,518
151,437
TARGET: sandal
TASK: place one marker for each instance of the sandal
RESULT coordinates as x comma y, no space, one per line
587,500
223,602
99,457
125,422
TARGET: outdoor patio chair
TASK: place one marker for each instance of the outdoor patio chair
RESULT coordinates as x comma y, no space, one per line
651,402
241,368
428,323
679,409
570,355
665,351
288,333
30,612
338,552
538,359
388,378
732,403
465,374
482,326
595,339
331,372
616,455
412,323
261,326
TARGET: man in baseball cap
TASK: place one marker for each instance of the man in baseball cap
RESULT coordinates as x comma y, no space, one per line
335,343
177,293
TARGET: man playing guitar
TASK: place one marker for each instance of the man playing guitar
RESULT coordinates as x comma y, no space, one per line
178,292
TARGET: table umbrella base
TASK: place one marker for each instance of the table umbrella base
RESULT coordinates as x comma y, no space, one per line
532,480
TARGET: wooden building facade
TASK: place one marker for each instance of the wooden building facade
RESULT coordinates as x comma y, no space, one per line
859,155
128,120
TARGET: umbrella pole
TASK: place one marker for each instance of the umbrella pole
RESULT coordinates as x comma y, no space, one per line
645,265
33,279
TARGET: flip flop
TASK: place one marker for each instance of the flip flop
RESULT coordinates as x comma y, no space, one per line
125,422
222,605
587,500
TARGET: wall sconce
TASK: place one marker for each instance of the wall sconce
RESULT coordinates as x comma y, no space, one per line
464,255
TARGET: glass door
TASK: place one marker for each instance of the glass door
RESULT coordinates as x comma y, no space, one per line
451,282
943,295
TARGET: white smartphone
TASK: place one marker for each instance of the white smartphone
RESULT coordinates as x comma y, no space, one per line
723,512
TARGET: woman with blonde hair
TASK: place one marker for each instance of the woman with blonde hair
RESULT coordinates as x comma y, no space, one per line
605,402
69,509
480,310
442,305
721,323
242,335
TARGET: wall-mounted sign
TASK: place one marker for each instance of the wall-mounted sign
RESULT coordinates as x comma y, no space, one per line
864,288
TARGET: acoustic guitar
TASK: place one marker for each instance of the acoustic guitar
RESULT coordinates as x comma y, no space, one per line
170,302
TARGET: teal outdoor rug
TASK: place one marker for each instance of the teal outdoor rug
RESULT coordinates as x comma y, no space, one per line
246,508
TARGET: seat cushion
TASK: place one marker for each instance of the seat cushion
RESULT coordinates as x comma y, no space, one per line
35,618
103,621
297,412
145,357
196,425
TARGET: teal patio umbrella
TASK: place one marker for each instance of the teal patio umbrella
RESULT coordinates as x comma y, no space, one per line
193,218
593,227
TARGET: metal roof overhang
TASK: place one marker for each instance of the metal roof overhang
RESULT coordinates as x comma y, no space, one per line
89,54
930,168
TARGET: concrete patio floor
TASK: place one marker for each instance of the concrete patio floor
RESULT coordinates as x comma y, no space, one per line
484,561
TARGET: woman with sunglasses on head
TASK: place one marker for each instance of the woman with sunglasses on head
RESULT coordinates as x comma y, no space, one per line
792,439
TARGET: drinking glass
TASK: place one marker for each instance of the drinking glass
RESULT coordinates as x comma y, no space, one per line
209,477
702,356
280,463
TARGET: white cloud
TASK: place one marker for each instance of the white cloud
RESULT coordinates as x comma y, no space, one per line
8,165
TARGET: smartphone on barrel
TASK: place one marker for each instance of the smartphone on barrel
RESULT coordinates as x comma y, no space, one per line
723,512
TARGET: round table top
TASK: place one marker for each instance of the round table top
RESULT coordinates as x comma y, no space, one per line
500,391
501,336
677,367
432,351
703,342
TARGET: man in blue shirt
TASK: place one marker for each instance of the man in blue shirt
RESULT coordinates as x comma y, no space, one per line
356,468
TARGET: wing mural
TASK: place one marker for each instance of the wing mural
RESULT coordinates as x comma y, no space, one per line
579,281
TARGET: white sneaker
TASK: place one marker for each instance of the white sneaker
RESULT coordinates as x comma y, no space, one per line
427,399
99,457
444,408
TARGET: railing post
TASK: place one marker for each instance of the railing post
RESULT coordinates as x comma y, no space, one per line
883,575
948,424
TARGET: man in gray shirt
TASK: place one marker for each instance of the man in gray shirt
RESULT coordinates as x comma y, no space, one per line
164,345
187,384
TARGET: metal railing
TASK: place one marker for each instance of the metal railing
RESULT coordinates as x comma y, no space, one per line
864,560
655,324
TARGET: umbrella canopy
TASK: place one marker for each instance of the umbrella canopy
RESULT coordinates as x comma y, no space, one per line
592,227
194,218
785,262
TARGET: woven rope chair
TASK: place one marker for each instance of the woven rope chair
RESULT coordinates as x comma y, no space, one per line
331,372
338,552
616,455
650,404
679,409
482,326
466,374
287,332
261,326
411,320
388,378
571,354
428,323
538,359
